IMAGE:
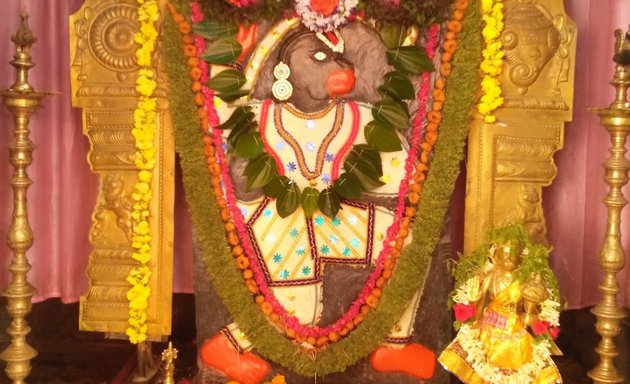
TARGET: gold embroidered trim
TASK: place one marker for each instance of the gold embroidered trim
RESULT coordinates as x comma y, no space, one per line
309,116
321,152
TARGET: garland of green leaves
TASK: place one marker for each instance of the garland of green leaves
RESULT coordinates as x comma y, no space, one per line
460,97
405,13
362,167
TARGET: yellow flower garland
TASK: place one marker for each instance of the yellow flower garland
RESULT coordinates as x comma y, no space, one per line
145,118
492,63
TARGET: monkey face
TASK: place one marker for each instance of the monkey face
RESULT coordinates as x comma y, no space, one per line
317,71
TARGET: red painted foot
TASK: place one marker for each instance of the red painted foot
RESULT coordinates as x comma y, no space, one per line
246,368
413,359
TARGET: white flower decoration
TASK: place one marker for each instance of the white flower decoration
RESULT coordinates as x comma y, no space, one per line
468,338
317,22
550,312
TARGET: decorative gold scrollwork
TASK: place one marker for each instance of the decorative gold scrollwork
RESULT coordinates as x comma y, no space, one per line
103,82
528,210
530,40
510,161
111,34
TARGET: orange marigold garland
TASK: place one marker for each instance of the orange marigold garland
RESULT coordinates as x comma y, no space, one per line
460,95
421,168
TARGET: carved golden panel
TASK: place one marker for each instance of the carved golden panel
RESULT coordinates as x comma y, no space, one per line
103,84
510,161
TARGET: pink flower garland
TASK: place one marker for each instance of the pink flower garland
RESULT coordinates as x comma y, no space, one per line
196,15
239,221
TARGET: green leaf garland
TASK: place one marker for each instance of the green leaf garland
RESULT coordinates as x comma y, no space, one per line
329,202
310,201
390,114
260,171
393,35
410,60
347,187
213,29
383,139
398,85
228,81
241,115
413,264
224,50
249,145
288,200
276,186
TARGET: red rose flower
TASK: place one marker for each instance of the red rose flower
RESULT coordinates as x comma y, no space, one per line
554,332
324,7
540,327
463,312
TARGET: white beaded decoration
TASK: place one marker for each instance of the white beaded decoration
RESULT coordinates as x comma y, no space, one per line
281,71
282,88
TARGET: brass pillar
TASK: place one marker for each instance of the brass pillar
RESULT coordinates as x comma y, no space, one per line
616,120
22,101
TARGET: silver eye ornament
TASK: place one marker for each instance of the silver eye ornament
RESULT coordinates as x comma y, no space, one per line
320,56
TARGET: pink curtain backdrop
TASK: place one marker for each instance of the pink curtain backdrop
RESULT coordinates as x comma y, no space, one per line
576,215
63,195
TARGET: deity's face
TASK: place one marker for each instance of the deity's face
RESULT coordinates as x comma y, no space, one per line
317,73
507,256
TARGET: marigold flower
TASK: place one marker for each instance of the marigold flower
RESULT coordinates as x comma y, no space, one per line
493,55
483,108
144,176
278,379
145,86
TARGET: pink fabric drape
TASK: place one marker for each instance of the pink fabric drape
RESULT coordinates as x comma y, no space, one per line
576,215
64,191
63,188
63,195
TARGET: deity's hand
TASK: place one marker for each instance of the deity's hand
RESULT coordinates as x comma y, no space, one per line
534,289
474,289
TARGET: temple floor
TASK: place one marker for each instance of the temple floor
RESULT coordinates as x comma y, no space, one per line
67,355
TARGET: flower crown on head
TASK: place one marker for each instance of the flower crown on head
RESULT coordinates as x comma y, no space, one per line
325,15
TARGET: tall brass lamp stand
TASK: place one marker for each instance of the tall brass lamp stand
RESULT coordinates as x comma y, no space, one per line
616,120
22,101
